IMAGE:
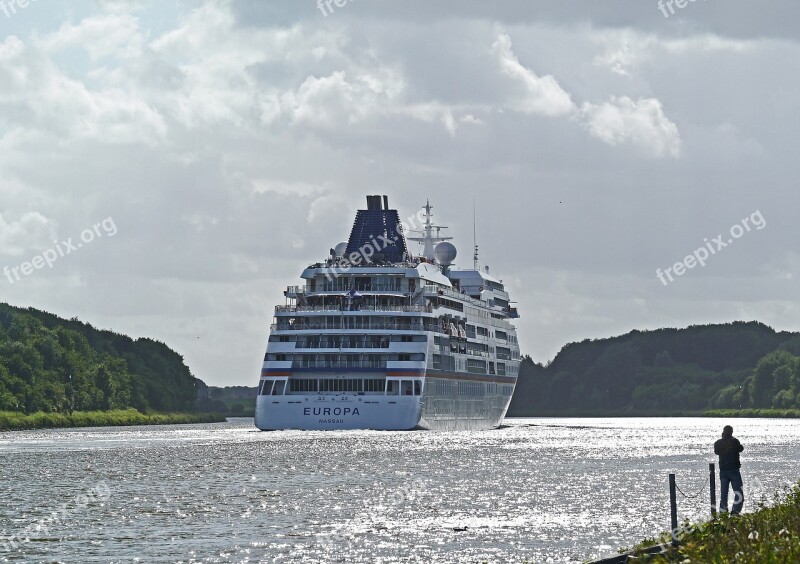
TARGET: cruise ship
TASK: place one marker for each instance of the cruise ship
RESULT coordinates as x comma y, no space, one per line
378,337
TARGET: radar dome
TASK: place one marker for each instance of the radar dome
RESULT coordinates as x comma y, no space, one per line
445,253
340,249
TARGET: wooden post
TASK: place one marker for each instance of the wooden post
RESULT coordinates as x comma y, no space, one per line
673,509
713,482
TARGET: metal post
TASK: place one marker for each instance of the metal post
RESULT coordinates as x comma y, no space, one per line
713,482
673,508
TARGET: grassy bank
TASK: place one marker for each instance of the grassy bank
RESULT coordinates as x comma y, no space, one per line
606,413
12,421
771,534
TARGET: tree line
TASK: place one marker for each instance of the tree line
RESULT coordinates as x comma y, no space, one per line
51,364
724,366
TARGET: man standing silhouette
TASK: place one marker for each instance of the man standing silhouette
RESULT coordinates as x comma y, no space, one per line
728,449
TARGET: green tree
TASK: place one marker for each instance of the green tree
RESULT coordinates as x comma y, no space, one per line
764,376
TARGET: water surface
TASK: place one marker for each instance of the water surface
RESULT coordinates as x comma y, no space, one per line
541,490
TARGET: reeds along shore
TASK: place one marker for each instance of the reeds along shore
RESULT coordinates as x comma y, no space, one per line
770,534
12,421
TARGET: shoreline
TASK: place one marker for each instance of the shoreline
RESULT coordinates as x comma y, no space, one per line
13,421
768,534
711,413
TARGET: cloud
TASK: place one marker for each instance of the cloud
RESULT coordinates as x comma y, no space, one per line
623,50
107,35
31,232
641,123
469,118
541,95
297,189
334,100
620,120
327,205
38,94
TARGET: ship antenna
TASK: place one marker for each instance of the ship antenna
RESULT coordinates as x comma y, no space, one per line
426,236
474,236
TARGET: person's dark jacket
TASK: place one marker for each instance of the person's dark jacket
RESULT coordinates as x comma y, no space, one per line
728,449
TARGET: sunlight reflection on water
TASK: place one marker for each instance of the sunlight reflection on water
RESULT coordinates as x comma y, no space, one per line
557,490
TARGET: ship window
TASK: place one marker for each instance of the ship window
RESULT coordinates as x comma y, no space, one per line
303,385
281,338
406,387
417,388
392,387
374,385
363,283
266,387
437,361
279,387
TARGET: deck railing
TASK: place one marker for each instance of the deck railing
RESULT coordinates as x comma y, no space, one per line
338,308
340,364
349,324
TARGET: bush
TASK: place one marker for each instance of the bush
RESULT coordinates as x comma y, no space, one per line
771,534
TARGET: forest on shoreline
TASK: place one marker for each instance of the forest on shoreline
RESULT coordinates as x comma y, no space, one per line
54,365
739,367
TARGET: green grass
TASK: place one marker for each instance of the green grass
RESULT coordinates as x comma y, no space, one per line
770,534
605,413
12,421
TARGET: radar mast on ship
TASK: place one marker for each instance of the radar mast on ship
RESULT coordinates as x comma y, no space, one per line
427,238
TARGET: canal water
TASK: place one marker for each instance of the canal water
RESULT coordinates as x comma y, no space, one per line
537,490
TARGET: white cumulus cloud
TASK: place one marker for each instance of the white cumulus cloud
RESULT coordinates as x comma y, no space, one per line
541,94
31,232
640,122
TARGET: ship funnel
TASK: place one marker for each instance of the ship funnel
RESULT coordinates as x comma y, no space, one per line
377,234
374,203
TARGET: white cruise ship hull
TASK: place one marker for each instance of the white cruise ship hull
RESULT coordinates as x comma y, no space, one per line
348,411
482,406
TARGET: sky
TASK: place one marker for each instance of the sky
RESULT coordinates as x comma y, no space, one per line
168,167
